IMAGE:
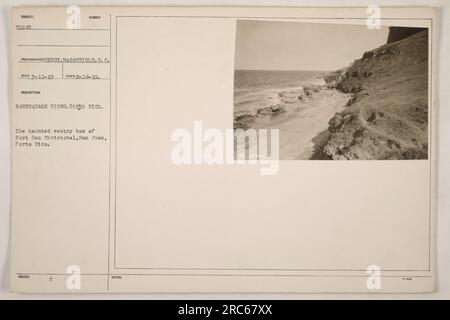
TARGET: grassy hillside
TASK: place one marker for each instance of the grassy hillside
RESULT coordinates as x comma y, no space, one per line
387,118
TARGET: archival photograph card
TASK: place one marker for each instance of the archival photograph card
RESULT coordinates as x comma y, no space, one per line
223,150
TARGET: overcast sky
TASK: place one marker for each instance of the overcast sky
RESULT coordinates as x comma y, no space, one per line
275,45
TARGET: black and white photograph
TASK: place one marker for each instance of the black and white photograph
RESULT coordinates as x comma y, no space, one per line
334,91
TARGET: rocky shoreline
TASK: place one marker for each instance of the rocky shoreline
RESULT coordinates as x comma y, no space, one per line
304,94
387,116
299,115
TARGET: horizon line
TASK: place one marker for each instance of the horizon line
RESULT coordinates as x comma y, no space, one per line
292,70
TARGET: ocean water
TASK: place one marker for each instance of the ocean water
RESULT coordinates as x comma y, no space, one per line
254,89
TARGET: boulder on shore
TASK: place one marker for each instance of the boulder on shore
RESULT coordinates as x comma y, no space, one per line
271,109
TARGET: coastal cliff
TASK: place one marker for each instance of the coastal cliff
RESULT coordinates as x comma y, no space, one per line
387,116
